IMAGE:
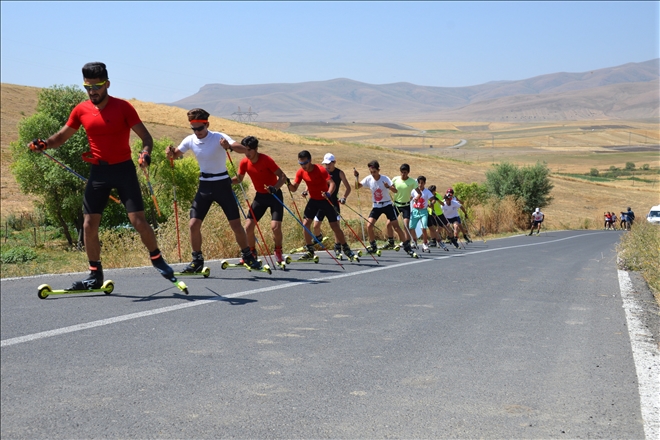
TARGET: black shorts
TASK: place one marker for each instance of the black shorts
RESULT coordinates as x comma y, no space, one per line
218,191
316,207
538,222
438,220
387,210
454,220
404,210
103,178
320,215
263,201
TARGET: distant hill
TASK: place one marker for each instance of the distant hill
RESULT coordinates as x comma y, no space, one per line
629,91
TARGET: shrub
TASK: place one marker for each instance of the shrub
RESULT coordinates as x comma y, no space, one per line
530,184
594,172
646,167
19,254
630,166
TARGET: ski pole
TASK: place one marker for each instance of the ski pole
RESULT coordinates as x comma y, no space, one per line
263,244
349,227
151,189
308,231
448,230
72,171
288,182
357,190
176,209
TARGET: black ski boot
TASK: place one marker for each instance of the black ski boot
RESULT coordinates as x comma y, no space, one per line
467,238
349,253
433,243
197,263
454,241
373,248
250,259
93,281
390,244
165,269
408,249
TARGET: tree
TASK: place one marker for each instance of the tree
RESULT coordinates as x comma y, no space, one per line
59,193
530,184
630,166
471,193
594,172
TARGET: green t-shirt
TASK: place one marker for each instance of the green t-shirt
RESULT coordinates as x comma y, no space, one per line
437,208
403,188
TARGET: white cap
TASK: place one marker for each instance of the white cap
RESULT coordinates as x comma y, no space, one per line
538,209
329,157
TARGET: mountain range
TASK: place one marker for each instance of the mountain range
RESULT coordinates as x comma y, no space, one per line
629,91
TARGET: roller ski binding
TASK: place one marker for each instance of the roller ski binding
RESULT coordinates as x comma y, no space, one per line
168,273
196,267
425,248
408,249
93,283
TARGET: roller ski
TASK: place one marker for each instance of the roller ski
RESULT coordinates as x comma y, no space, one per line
316,246
249,262
308,256
196,267
425,248
373,249
350,255
168,273
390,246
93,283
408,249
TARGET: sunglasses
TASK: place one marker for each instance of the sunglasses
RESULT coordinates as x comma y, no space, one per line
200,128
303,163
96,86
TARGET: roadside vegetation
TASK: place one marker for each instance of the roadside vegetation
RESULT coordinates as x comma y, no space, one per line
46,238
639,250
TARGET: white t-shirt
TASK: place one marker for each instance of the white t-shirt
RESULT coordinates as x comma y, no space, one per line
537,216
423,201
380,196
451,210
210,155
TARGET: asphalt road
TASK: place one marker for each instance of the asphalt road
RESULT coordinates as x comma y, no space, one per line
523,337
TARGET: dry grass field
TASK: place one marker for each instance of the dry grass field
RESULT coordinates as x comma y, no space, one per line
567,147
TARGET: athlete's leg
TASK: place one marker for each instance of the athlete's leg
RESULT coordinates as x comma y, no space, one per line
91,235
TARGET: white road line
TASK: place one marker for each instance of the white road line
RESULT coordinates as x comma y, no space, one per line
647,359
108,321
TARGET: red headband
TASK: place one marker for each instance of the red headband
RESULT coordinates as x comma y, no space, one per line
200,121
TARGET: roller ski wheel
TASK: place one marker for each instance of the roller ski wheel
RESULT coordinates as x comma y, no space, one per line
281,264
44,291
413,254
339,256
354,259
180,285
205,272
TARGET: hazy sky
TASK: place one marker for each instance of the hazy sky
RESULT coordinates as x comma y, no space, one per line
165,51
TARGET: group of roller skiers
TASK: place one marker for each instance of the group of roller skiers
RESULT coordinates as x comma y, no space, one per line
108,122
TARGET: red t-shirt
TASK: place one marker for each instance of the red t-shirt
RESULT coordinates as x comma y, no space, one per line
108,130
317,181
261,173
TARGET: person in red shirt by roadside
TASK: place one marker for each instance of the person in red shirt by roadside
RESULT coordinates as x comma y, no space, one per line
267,178
108,122
320,187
